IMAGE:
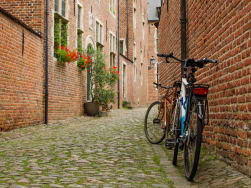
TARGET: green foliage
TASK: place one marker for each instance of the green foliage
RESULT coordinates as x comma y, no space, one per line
64,28
102,80
60,34
56,34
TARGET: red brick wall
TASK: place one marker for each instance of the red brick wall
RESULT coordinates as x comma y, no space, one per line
169,41
221,30
138,94
31,12
21,76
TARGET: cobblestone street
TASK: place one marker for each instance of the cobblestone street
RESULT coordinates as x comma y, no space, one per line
99,152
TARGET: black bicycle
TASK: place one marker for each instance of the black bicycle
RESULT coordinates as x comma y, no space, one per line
194,114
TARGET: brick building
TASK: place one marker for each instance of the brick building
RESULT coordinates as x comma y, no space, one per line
79,23
217,30
21,73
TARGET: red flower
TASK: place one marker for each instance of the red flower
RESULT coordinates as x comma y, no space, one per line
114,67
112,78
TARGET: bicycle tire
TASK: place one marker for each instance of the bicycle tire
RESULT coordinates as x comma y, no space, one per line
193,141
177,135
149,123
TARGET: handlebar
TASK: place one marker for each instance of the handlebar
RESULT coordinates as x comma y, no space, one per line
189,62
159,85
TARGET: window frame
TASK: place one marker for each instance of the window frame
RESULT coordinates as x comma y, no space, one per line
100,34
112,7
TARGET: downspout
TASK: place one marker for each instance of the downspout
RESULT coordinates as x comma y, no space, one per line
183,22
118,52
46,62
127,27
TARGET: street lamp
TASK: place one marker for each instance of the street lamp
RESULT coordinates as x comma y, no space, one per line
152,63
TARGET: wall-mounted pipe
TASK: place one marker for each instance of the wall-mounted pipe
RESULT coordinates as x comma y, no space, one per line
118,52
183,22
46,62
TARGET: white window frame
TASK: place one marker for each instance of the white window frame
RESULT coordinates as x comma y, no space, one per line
135,60
122,39
141,74
101,41
124,81
134,14
81,16
63,17
90,20
113,45
59,12
155,40
112,7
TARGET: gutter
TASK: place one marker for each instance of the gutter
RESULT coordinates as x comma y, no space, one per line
46,62
183,22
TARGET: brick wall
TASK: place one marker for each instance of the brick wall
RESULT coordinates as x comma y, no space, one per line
221,30
31,12
140,91
67,85
21,75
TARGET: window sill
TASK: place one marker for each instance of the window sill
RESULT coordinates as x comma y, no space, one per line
80,30
61,17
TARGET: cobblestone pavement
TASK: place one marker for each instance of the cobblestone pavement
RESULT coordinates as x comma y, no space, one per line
99,152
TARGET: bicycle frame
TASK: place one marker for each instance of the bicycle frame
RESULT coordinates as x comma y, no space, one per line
183,104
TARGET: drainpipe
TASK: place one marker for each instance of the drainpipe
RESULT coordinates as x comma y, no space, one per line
183,22
118,52
127,27
46,62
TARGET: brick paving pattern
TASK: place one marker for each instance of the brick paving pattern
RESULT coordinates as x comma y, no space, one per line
98,152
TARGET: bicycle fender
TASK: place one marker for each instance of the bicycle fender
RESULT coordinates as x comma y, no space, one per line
200,113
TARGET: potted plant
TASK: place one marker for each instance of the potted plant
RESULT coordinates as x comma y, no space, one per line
64,55
102,81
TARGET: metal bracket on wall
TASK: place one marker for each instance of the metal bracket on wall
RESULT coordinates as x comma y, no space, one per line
23,43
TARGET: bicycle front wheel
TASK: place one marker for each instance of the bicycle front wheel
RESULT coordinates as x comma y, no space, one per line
192,143
154,119
177,130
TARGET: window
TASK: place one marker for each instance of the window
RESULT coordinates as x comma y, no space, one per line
124,81
112,49
99,34
156,40
143,30
121,46
79,28
134,60
56,5
134,18
141,74
60,24
63,8
134,51
112,7
134,14
90,20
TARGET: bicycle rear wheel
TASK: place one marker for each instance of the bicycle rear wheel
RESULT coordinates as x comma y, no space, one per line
177,130
155,133
193,143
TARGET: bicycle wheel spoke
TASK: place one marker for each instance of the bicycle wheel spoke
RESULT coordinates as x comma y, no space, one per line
154,130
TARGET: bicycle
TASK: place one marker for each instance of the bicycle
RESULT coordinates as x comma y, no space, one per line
194,114
157,124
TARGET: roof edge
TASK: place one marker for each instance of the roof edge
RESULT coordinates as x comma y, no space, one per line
15,19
